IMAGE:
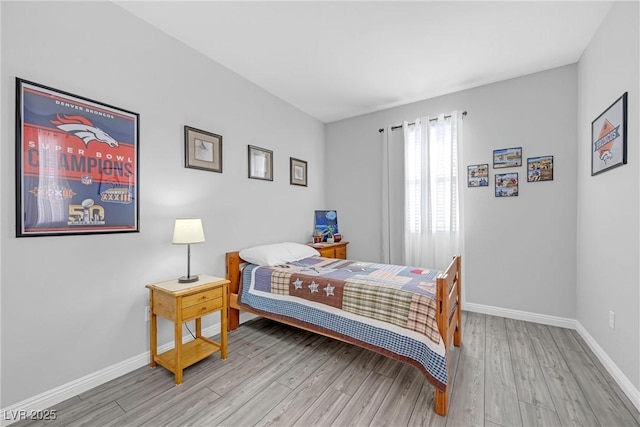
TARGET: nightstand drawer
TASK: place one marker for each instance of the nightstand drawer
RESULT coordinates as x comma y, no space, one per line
201,297
341,252
199,310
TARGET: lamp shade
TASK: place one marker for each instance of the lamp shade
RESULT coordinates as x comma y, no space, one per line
187,231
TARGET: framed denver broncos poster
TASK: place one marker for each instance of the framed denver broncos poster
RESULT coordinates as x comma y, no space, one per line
76,164
609,137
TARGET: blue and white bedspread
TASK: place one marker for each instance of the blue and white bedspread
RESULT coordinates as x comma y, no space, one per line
389,309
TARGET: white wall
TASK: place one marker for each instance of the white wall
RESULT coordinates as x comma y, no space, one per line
608,203
520,251
74,305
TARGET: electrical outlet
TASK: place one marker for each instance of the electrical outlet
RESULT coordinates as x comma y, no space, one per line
612,319
147,313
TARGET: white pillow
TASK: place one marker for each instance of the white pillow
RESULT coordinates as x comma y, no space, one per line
277,253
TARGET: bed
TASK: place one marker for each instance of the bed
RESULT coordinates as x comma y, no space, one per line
405,313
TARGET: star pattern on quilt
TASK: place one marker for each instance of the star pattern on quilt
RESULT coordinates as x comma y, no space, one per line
329,290
297,284
313,286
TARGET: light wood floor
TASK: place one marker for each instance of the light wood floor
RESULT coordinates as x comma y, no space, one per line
506,373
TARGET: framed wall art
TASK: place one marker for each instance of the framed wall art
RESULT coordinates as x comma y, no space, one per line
609,137
507,157
260,163
76,164
297,172
507,184
478,175
326,223
202,150
540,169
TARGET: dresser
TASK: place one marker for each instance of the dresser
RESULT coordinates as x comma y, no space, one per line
331,250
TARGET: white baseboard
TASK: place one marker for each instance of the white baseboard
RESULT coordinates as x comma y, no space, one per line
627,387
561,322
59,394
623,382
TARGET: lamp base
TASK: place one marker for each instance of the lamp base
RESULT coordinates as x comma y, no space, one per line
188,279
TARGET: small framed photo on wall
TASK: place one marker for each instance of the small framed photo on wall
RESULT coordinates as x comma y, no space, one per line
507,184
609,137
540,169
478,175
507,157
260,163
297,172
203,150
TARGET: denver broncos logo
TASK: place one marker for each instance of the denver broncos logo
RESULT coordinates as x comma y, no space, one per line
83,129
607,136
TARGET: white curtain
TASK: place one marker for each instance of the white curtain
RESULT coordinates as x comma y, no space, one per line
392,197
431,192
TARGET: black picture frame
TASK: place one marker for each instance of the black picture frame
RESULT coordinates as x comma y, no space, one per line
540,169
202,150
297,172
260,163
507,157
506,184
77,163
609,147
478,175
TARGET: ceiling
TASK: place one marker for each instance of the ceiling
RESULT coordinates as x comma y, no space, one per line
335,60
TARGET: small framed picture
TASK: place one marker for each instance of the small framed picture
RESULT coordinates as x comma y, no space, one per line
260,163
507,184
297,172
609,137
478,175
202,150
540,169
507,158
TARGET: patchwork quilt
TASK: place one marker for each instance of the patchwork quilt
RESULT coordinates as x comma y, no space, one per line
386,308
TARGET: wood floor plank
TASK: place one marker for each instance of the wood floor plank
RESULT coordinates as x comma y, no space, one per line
474,336
501,396
530,382
364,404
607,376
423,413
564,339
398,404
606,405
97,416
170,412
515,325
277,356
324,410
251,412
306,393
496,327
545,347
537,416
306,366
572,406
467,399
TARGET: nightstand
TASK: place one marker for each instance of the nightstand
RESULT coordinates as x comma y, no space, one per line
181,302
331,250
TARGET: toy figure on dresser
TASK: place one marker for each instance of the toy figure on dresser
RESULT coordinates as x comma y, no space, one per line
329,234
317,236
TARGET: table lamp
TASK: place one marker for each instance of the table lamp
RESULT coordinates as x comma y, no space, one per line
186,232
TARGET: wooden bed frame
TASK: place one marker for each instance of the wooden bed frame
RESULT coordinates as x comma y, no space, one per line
448,305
